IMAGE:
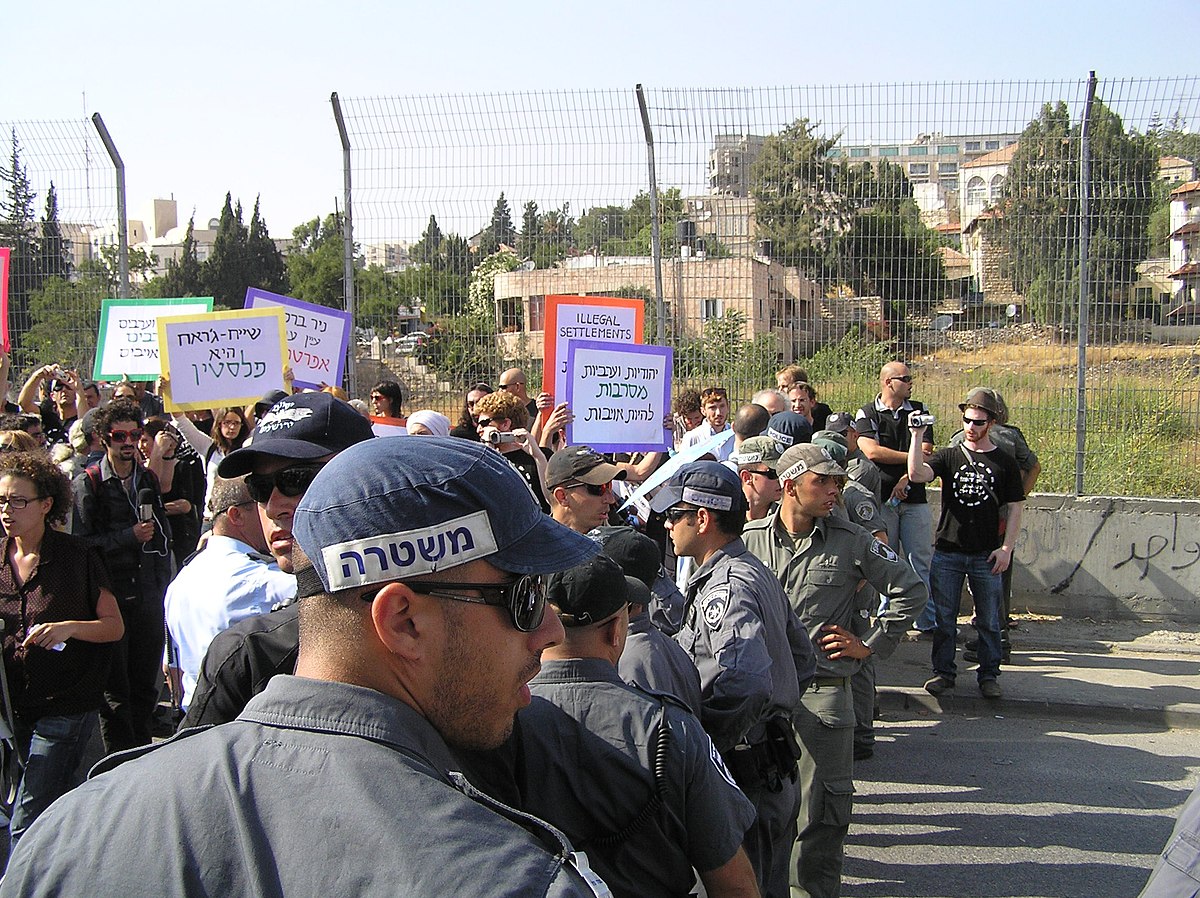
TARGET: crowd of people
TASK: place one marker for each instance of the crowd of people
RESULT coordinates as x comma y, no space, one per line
476,657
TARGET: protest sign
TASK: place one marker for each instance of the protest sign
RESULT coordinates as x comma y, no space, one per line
606,319
222,358
128,343
383,426
5,264
619,395
317,337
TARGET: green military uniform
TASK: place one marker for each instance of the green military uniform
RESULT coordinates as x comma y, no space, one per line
820,573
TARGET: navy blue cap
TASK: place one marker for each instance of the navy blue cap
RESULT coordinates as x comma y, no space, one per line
589,593
394,508
788,429
708,484
840,422
301,427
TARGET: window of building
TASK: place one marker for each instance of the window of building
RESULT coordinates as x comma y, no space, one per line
948,149
859,152
973,146
947,168
834,152
712,309
537,313
997,187
918,151
889,151
918,168
992,144
976,191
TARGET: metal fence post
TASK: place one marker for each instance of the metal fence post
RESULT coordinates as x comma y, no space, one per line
122,223
1084,236
348,241
655,224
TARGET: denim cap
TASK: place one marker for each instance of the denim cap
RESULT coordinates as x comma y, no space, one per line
588,593
394,508
303,427
757,451
840,422
808,457
708,484
832,442
789,429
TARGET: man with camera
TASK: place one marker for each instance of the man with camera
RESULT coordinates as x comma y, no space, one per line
502,423
978,478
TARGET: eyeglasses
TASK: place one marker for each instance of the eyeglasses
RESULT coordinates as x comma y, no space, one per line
769,474
907,378
291,482
675,514
523,598
122,436
975,422
515,383
18,502
484,422
595,489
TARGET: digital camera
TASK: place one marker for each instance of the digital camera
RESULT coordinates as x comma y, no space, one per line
496,438
919,420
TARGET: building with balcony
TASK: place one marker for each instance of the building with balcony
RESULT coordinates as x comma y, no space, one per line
931,158
1185,248
729,163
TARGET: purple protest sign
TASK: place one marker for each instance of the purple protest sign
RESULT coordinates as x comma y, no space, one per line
317,337
619,394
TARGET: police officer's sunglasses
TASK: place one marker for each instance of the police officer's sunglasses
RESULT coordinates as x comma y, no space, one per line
291,482
523,598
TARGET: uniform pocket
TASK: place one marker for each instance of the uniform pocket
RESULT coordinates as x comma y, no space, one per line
839,802
1184,854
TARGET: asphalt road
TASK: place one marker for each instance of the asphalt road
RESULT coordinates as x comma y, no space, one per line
993,806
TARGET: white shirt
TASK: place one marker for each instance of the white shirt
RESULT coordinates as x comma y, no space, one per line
704,432
219,587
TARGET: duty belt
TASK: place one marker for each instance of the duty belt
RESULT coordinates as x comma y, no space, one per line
831,681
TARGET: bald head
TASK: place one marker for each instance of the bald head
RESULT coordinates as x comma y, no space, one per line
890,370
750,421
513,381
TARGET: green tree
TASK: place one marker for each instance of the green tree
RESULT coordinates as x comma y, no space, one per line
499,231
1174,138
56,253
428,250
315,265
1040,225
184,275
18,231
227,271
141,268
459,260
64,318
530,237
267,269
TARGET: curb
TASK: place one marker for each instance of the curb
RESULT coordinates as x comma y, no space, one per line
917,700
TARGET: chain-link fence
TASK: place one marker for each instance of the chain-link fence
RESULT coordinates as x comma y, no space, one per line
833,227
59,216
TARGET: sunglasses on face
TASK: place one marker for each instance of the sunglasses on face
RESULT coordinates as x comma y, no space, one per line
676,514
595,489
291,482
975,422
523,598
121,436
769,474
907,378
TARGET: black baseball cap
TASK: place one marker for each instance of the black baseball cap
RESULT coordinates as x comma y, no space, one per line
303,427
582,463
588,593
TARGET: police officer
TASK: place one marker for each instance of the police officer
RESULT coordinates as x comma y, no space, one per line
754,658
820,561
628,775
422,619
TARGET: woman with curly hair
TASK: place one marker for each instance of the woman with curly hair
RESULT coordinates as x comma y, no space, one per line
59,615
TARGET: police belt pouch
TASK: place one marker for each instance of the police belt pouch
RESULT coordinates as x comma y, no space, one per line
769,761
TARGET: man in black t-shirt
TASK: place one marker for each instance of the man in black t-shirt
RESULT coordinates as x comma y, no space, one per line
977,479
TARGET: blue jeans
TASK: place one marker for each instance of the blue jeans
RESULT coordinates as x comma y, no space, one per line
910,532
53,750
946,575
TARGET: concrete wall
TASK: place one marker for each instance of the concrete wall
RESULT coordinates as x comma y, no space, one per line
1108,557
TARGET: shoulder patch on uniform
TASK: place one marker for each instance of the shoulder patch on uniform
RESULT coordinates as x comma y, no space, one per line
716,603
719,763
884,551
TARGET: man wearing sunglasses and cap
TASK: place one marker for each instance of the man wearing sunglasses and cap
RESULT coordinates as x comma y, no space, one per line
293,440
422,620
753,656
978,478
820,561
579,484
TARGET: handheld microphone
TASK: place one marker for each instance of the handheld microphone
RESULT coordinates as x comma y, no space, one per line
145,505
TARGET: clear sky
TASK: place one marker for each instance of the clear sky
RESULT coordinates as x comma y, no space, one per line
207,97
